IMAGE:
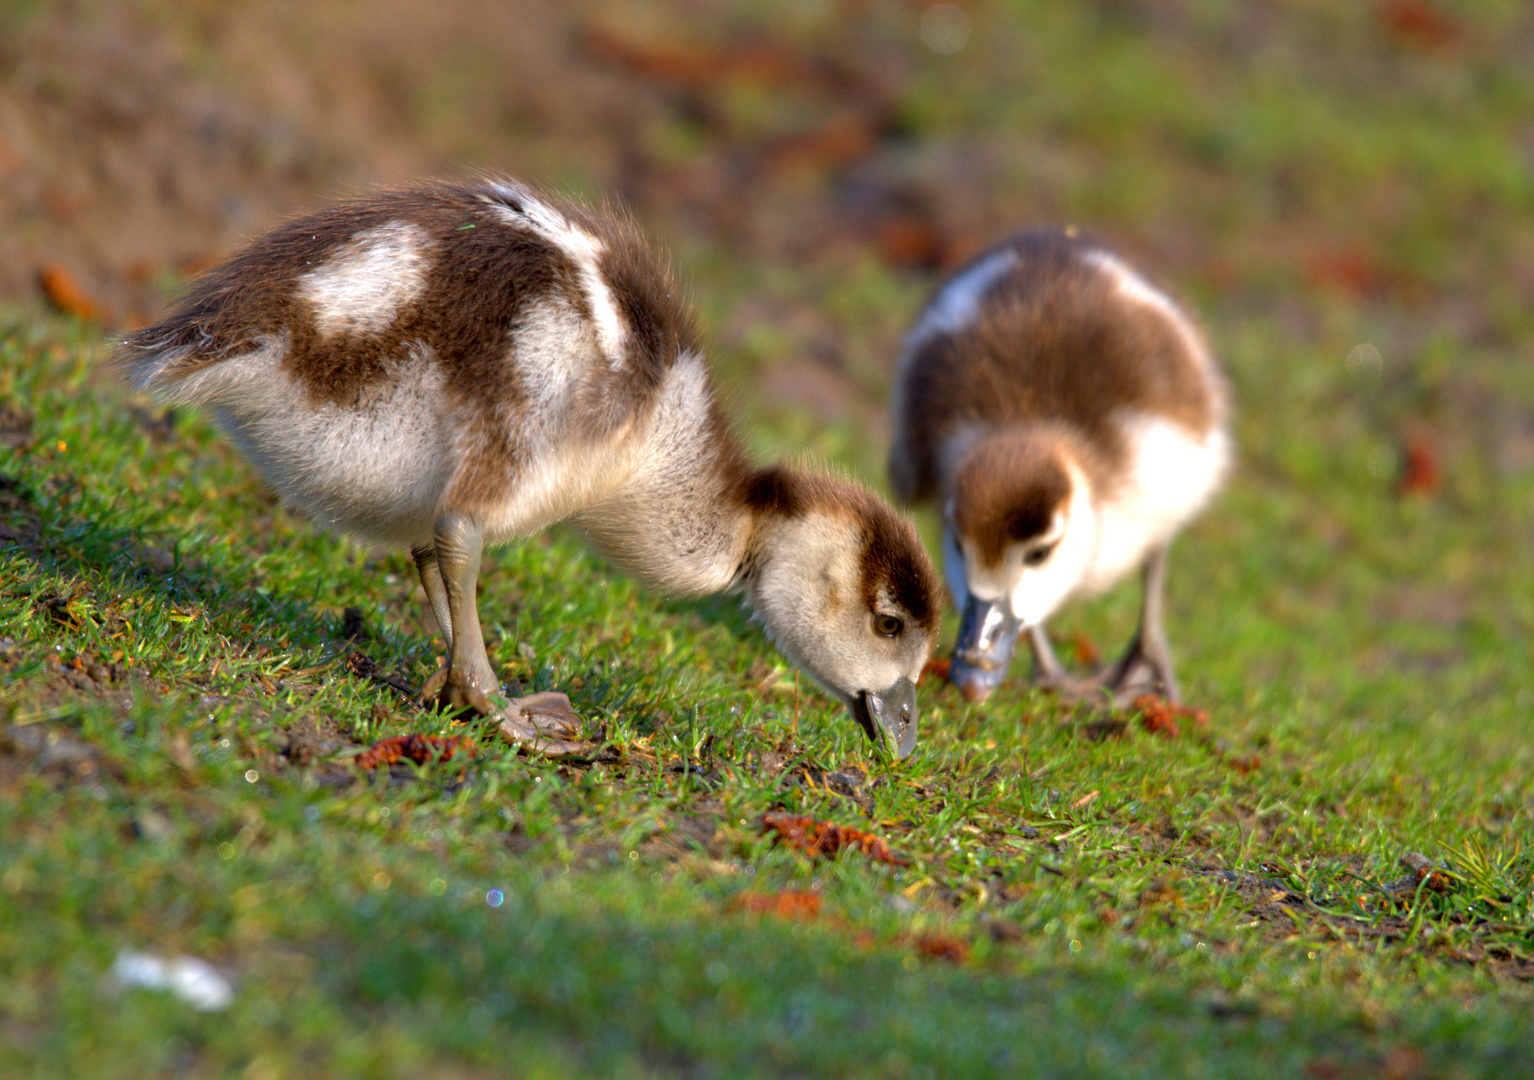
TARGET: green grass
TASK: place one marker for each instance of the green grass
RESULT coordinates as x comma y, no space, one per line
1130,906
180,710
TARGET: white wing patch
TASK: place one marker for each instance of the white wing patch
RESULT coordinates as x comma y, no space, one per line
957,304
361,288
554,352
583,249
1135,288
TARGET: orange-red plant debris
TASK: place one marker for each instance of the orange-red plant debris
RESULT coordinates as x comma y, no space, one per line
942,947
785,904
823,839
1159,716
417,748
1418,23
1420,473
63,291
1084,650
1242,763
937,668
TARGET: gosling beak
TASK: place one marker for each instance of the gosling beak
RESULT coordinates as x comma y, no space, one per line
987,635
889,716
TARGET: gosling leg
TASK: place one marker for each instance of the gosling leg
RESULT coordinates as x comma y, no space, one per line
1147,663
457,544
425,557
1048,671
544,722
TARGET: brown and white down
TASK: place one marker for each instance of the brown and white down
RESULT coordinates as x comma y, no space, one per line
450,365
1067,418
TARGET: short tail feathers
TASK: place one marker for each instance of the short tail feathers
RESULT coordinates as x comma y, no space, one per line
149,359
200,331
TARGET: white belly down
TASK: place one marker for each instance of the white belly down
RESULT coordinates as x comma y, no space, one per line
377,470
1172,476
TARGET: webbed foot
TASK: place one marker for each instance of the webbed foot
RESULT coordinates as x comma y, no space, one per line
1116,686
543,723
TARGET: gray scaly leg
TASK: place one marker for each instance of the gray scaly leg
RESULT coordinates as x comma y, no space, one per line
1148,653
471,680
436,593
450,574
1047,669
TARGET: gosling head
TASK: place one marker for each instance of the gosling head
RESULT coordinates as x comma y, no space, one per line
1019,536
844,588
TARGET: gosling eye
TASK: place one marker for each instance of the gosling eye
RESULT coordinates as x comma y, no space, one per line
888,626
1036,556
